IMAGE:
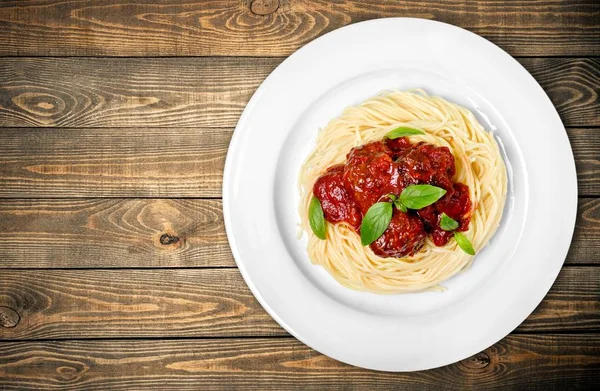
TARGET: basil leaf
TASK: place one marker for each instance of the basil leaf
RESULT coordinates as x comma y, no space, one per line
464,243
392,197
375,222
316,218
447,223
400,206
403,131
420,196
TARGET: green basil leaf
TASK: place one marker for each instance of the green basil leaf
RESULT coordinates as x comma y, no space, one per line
375,222
420,196
400,206
316,218
447,223
403,131
464,243
392,197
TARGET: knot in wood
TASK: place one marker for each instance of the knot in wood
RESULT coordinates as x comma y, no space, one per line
478,361
264,7
69,372
8,317
167,239
39,103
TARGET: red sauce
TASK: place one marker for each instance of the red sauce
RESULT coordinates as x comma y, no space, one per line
337,204
374,170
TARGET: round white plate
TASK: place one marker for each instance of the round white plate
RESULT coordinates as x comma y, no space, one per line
406,332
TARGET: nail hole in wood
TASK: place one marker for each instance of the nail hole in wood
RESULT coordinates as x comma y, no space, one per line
167,239
264,7
8,317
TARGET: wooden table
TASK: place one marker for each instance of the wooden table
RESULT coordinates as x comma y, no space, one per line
115,120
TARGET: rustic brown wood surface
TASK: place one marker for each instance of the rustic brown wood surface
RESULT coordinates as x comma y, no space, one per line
543,362
115,271
277,27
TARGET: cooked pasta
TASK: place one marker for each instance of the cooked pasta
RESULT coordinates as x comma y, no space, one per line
479,165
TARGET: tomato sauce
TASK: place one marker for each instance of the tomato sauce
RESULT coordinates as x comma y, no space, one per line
374,170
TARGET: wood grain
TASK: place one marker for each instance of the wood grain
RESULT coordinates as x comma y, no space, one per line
173,162
100,233
585,144
585,246
67,304
205,92
71,304
536,362
276,27
130,92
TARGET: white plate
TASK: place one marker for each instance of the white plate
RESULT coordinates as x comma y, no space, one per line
412,331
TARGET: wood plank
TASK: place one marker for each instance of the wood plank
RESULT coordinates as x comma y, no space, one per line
129,92
100,233
88,233
170,162
276,27
66,304
533,362
204,92
71,304
585,247
585,144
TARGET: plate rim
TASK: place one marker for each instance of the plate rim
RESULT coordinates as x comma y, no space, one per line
227,179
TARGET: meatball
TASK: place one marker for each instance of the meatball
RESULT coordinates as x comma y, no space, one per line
335,201
404,236
426,163
371,172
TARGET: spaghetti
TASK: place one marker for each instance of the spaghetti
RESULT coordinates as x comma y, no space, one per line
479,165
